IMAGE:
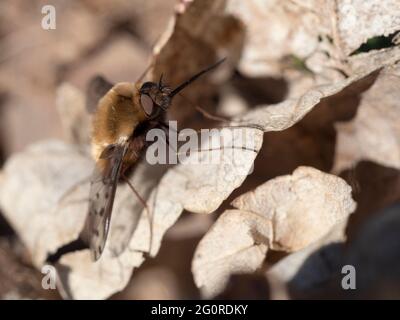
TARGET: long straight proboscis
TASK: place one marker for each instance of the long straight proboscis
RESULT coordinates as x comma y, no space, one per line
197,75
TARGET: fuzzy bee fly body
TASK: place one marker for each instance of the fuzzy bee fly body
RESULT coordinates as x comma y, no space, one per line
123,114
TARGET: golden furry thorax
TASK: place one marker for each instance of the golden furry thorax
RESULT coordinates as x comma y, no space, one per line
118,114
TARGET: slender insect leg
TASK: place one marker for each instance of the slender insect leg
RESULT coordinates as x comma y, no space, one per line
238,126
210,116
205,113
147,210
222,148
136,193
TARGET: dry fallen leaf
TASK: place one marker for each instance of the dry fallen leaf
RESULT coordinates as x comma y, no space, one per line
274,30
40,176
32,184
283,115
294,212
302,207
237,29
360,20
319,34
361,62
193,193
83,279
374,134
236,243
183,187
194,187
198,187
286,213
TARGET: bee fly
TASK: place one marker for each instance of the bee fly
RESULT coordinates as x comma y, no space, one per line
124,114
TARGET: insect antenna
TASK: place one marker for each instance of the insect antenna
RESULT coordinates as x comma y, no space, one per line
160,84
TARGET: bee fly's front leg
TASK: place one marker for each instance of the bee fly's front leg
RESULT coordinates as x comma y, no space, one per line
136,147
142,201
145,206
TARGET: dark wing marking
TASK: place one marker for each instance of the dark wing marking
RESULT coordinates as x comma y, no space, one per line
101,197
96,89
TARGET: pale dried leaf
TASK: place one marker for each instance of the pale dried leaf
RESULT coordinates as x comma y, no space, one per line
194,187
374,134
32,185
362,62
360,20
321,34
236,243
198,187
302,207
283,115
35,180
81,278
274,30
84,279
312,33
286,213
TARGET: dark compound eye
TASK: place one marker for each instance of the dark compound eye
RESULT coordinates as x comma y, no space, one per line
147,104
146,87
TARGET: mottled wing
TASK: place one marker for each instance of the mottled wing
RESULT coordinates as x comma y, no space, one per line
96,89
101,198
